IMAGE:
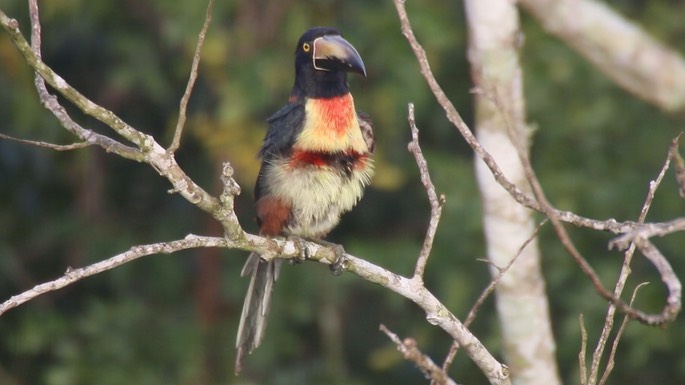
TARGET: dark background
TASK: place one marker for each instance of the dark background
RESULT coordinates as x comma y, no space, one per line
171,319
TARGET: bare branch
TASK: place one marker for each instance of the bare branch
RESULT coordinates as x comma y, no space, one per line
663,267
191,81
668,277
541,205
436,202
624,273
50,102
60,85
265,246
673,302
679,166
582,361
455,118
436,314
149,150
410,351
654,185
486,293
135,252
648,230
617,339
268,248
491,287
53,146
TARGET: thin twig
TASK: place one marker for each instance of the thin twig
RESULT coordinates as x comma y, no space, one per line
53,146
679,166
614,346
541,205
654,185
52,104
191,81
436,202
624,273
486,293
452,114
665,316
668,277
149,151
502,271
454,117
582,361
650,319
409,349
90,108
648,230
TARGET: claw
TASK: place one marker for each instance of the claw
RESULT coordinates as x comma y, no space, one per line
337,266
340,263
301,246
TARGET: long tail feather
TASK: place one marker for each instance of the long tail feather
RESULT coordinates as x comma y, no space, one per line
257,305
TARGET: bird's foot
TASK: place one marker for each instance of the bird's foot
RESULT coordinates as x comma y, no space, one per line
300,244
340,263
337,266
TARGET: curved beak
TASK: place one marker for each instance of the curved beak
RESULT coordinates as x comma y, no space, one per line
332,52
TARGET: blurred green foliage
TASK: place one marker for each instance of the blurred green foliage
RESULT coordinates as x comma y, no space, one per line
171,319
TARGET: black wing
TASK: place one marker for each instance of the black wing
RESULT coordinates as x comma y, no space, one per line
284,126
366,125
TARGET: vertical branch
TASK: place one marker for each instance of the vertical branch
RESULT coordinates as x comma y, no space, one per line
35,32
679,166
50,102
453,115
617,339
436,202
623,275
191,81
582,361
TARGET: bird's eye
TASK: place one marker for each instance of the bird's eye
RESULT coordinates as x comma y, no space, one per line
306,47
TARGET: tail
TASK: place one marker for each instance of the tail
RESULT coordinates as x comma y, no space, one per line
256,306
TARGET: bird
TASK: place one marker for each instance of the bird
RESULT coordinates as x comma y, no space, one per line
316,161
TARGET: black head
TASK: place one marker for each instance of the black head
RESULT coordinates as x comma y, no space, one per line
322,60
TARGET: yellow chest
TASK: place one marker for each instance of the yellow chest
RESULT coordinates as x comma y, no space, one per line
331,125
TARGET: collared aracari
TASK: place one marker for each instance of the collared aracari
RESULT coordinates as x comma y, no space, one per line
316,162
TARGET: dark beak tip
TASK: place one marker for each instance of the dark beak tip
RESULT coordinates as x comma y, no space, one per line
360,69
344,53
356,64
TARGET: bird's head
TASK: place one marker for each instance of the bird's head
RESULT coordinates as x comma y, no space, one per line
322,59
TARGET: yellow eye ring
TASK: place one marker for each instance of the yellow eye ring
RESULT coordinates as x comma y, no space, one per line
306,47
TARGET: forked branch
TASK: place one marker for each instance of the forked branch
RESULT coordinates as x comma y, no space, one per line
540,203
